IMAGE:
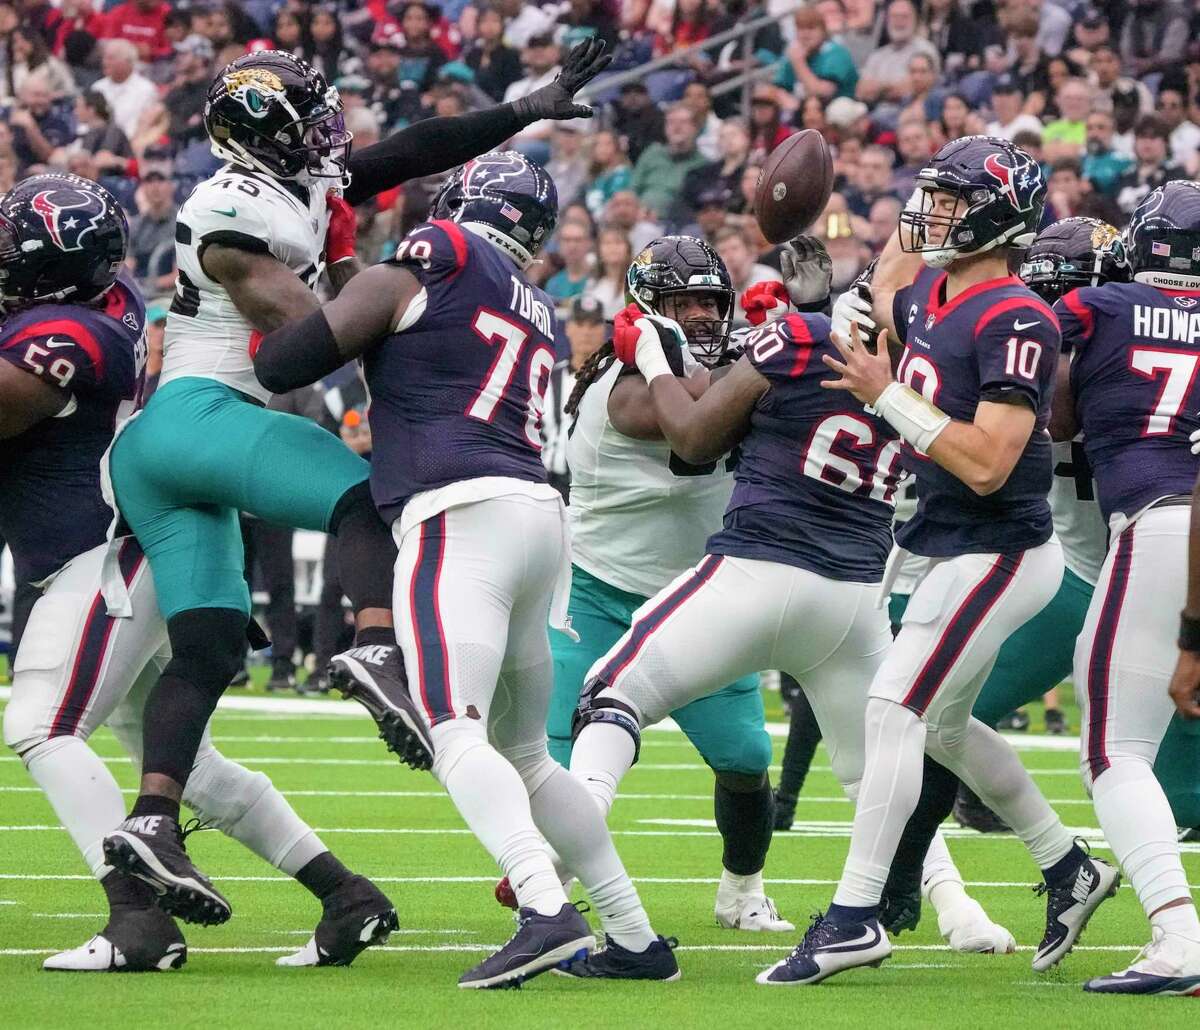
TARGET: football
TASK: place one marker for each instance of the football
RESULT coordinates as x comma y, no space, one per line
794,186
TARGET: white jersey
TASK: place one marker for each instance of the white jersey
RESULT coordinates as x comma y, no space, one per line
636,523
206,334
1077,519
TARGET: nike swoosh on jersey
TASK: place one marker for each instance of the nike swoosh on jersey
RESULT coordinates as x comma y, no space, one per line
52,342
1022,326
231,213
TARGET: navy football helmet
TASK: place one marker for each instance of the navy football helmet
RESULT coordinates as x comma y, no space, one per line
674,265
1072,253
506,198
273,112
1163,237
999,191
62,237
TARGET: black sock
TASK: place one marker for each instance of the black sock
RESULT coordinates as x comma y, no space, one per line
803,737
374,636
1063,871
938,789
172,726
156,804
323,875
746,821
365,551
126,892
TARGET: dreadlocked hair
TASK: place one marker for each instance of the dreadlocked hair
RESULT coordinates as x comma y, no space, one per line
588,373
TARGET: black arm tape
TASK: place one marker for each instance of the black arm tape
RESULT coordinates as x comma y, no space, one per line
824,306
232,238
297,354
1003,395
1189,633
427,148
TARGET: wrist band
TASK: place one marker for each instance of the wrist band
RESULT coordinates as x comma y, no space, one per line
917,421
1189,633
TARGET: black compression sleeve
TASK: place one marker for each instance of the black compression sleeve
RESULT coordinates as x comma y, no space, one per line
428,147
297,354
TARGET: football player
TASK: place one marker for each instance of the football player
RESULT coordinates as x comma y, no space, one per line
457,348
971,399
72,351
251,243
1131,389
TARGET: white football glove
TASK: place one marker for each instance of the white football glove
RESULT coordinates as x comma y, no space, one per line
807,270
853,306
1194,440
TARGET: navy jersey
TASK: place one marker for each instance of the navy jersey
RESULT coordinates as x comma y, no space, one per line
458,392
995,341
52,508
1134,353
816,478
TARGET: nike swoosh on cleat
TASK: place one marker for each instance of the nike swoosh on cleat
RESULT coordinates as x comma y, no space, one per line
868,940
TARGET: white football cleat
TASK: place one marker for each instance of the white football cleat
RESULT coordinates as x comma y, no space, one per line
967,928
100,955
1169,964
754,912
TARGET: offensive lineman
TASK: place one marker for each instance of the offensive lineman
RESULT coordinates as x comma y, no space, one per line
251,243
981,348
72,351
1134,349
457,349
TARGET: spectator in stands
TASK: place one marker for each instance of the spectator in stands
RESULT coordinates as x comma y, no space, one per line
496,65
659,172
128,92
142,23
1105,68
734,248
884,75
1102,166
884,217
42,16
1066,188
540,59
1153,167
767,128
816,65
723,174
152,229
625,212
27,54
812,115
1054,25
638,119
697,99
1171,107
575,249
849,118
1091,30
524,21
1066,135
959,38
96,134
862,25
869,179
607,284
712,207
609,171
1030,67
326,49
1008,102
846,239
384,95
188,90
691,23
956,120
915,145
1154,37
288,32
568,161
420,56
922,80
38,125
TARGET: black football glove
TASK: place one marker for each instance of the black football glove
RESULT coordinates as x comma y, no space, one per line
585,61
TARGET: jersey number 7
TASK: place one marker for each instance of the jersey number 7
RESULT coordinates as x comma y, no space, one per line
494,328
1179,367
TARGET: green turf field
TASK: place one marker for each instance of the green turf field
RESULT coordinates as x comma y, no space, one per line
398,827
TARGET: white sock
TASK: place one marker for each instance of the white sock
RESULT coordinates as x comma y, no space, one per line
891,785
941,879
991,768
602,755
1180,920
83,793
733,886
1137,822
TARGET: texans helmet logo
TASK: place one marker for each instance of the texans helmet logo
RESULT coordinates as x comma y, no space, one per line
1016,181
69,215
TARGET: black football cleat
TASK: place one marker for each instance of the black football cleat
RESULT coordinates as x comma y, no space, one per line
540,943
1014,722
900,910
612,962
972,814
785,811
829,948
357,915
1069,907
283,676
134,941
150,847
373,675
1056,722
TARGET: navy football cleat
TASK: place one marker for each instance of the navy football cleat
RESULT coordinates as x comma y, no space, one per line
1169,964
540,943
829,948
373,675
150,847
356,916
612,962
1068,909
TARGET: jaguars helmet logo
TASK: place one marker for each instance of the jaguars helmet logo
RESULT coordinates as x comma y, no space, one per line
252,87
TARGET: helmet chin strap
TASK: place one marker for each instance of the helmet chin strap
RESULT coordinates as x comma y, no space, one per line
507,246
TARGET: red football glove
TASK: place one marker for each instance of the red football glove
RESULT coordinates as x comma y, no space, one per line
765,300
626,334
339,240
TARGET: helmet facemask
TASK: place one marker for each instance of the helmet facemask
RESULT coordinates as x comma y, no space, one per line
707,338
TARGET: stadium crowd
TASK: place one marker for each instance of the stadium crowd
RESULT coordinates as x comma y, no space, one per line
1106,96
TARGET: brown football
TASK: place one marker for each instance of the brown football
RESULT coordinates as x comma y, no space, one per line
794,186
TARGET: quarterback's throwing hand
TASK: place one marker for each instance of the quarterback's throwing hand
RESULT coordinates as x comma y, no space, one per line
864,374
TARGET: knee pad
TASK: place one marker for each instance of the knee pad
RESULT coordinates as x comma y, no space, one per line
207,647
221,792
595,707
741,783
21,731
